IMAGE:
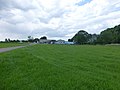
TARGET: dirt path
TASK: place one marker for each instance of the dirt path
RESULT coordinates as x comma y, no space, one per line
12,48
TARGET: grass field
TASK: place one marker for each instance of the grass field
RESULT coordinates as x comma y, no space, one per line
4,45
61,67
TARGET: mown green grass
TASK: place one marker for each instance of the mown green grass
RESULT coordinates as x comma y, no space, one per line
61,67
5,45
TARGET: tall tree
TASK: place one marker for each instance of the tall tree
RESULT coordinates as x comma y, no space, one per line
110,35
44,37
81,37
30,39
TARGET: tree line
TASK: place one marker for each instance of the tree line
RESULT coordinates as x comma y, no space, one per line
30,39
108,36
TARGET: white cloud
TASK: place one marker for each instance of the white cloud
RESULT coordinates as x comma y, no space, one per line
56,18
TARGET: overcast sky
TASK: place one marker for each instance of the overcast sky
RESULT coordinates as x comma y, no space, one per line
56,19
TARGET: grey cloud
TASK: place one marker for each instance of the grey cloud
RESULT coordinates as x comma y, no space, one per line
111,9
4,4
49,32
5,14
99,19
27,5
10,4
56,13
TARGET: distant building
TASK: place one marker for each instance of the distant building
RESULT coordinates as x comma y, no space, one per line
52,41
69,43
60,42
45,41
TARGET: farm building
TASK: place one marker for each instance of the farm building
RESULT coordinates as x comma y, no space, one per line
60,42
45,41
69,43
63,42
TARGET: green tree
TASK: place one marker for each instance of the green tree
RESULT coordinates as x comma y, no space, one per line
81,37
30,39
110,35
44,37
